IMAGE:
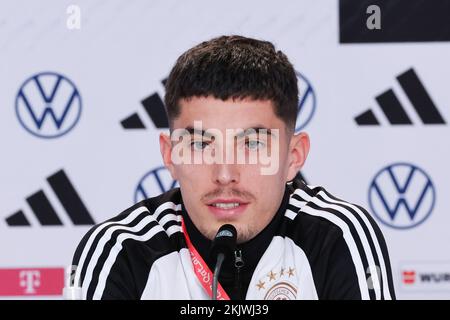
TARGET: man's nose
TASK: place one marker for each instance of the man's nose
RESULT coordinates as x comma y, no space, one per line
224,174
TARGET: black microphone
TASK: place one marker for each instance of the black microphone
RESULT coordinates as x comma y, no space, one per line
222,248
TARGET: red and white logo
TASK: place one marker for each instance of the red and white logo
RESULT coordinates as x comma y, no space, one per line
409,277
31,282
425,276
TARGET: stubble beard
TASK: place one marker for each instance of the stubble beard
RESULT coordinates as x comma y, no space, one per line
244,233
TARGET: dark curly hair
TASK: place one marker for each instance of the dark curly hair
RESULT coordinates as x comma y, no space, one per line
234,67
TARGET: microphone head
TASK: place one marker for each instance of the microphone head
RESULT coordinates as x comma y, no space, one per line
224,241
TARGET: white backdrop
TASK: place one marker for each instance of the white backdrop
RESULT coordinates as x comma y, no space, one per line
120,55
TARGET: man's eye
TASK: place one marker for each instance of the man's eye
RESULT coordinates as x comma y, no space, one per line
199,145
254,144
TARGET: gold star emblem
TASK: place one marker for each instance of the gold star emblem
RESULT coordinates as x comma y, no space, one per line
272,275
291,272
260,285
281,272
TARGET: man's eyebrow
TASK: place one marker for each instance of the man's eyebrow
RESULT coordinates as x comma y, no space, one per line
257,130
193,131
241,133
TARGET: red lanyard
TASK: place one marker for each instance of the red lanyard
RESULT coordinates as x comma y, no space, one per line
201,269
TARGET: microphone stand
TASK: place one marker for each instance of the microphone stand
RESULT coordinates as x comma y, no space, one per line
220,259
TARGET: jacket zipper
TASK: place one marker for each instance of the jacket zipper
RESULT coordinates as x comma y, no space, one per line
238,263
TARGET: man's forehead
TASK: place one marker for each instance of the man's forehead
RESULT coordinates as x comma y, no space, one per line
216,114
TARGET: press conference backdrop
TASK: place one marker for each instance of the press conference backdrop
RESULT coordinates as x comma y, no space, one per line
81,88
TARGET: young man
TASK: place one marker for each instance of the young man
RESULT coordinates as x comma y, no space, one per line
235,96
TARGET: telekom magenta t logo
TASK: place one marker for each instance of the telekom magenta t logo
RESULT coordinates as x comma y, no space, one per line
30,280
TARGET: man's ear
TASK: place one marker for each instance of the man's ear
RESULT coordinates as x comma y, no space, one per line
298,152
165,146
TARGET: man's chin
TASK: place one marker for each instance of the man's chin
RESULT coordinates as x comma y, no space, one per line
245,230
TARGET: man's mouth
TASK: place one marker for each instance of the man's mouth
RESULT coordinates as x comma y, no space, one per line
227,203
227,208
224,205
